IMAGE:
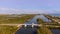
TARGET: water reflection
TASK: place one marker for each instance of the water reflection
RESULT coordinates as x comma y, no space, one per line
44,18
30,30
27,30
55,31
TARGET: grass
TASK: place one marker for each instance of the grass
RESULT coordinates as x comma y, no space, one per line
8,29
15,20
8,19
40,21
42,29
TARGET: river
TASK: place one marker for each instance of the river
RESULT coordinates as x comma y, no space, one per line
29,30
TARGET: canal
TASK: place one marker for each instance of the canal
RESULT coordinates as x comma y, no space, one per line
29,30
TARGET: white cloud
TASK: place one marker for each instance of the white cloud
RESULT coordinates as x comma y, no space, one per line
24,11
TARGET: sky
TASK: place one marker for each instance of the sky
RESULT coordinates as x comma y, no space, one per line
29,6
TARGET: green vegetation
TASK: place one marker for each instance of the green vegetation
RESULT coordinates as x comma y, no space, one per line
8,29
40,21
51,17
15,20
43,29
11,19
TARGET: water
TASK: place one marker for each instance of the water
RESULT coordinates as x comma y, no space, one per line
55,15
34,20
29,30
55,31
44,18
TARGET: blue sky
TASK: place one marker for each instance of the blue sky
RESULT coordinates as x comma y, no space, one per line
29,6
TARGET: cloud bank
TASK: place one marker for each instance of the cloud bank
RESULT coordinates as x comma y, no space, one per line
26,11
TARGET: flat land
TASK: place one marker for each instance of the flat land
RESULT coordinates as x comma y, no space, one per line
43,29
8,29
13,19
